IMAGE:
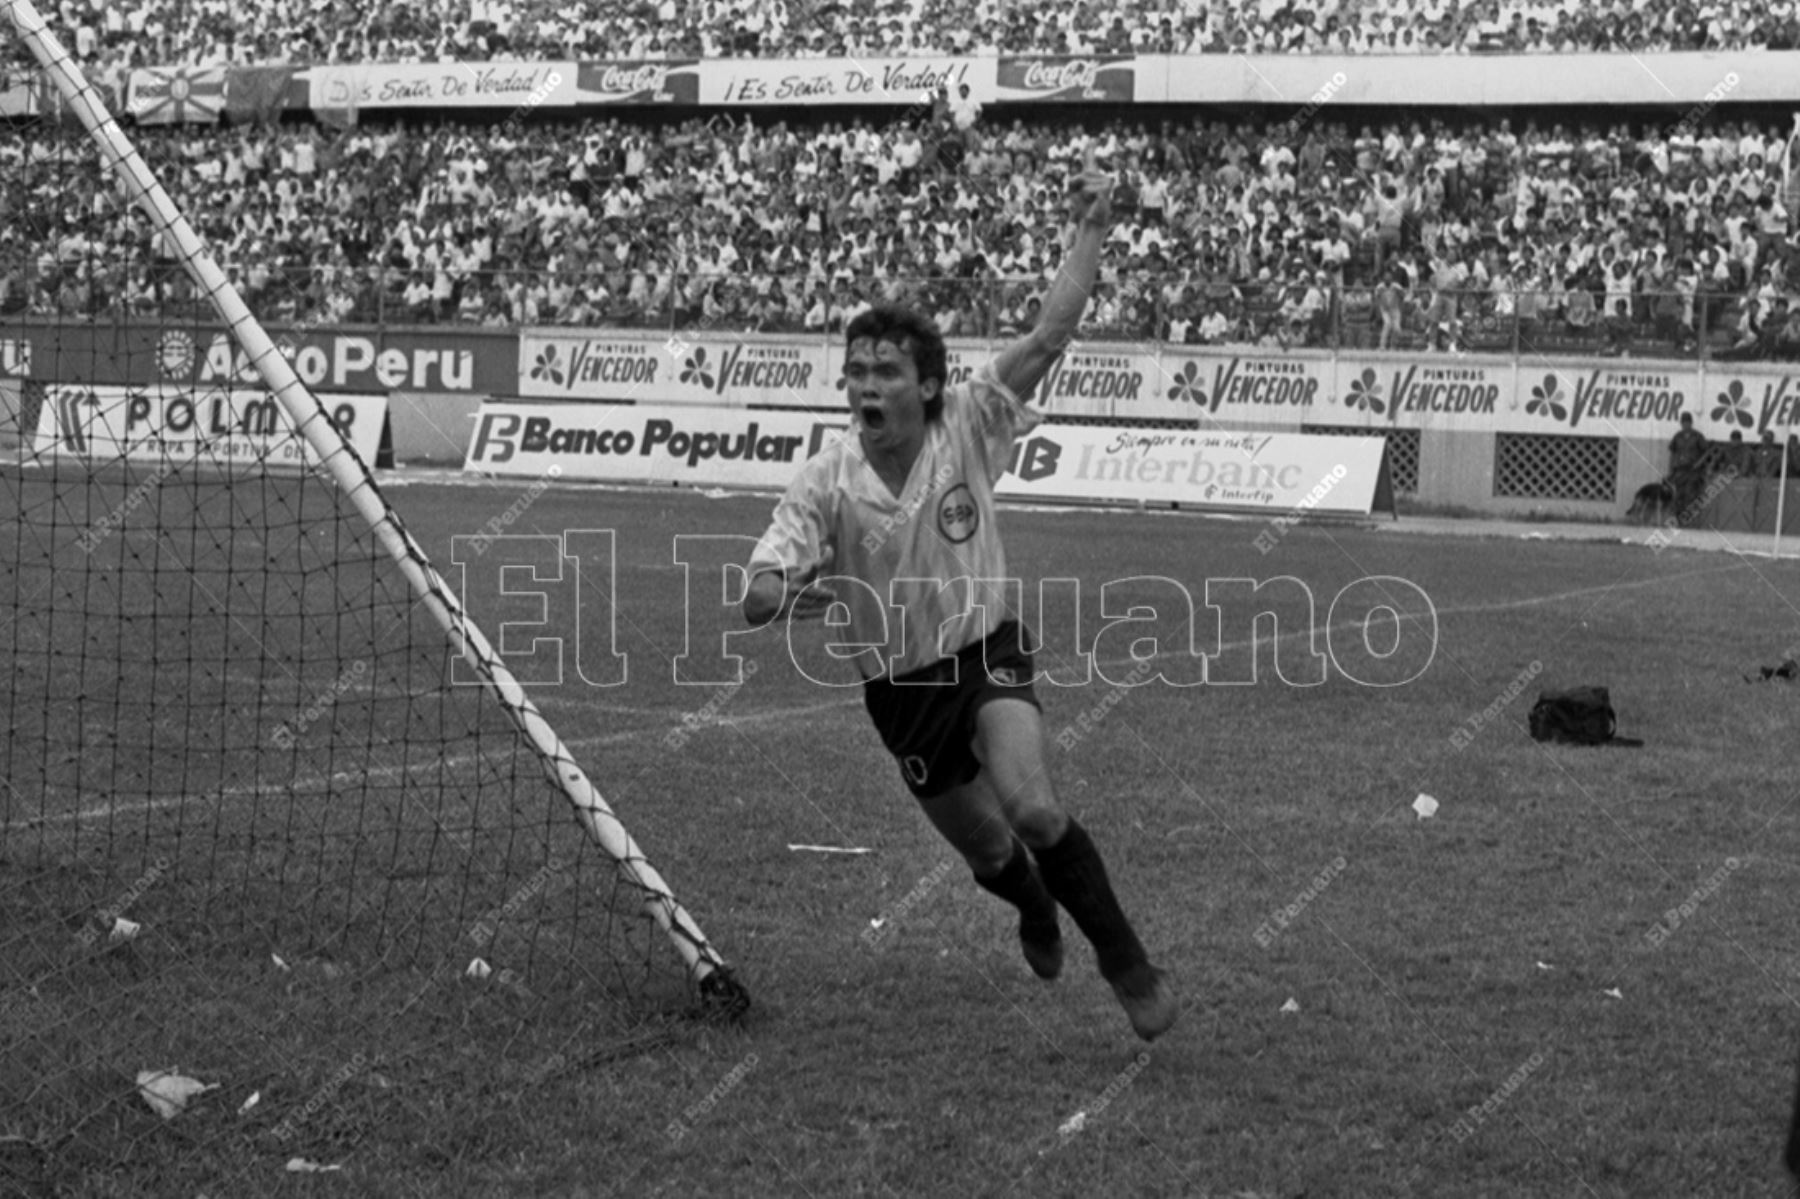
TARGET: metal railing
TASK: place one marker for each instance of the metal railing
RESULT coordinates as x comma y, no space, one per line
1146,309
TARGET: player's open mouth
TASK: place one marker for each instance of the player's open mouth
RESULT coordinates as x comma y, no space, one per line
873,418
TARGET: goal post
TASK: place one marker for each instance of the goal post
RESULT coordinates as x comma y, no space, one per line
230,692
337,456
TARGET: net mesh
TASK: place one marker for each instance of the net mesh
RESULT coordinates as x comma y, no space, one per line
252,830
1550,466
1402,449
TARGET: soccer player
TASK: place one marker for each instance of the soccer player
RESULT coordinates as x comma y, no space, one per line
903,511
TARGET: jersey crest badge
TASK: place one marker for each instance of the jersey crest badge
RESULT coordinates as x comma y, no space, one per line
957,515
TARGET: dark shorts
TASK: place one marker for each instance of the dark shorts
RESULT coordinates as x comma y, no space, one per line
927,721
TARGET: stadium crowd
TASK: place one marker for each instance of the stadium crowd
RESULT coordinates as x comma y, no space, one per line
166,32
1414,233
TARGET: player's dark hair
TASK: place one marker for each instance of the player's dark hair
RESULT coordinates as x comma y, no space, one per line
911,334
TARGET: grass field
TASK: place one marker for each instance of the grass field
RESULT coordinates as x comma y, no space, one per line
1577,978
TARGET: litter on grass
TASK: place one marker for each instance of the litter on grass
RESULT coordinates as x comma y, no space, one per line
168,1091
1425,806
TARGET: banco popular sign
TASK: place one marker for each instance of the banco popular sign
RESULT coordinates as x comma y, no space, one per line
704,447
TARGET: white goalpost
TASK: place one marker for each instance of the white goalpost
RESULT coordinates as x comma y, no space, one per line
336,456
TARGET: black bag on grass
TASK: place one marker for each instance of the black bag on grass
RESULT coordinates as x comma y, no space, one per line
1578,716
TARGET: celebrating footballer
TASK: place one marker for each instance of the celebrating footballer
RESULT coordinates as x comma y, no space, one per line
909,496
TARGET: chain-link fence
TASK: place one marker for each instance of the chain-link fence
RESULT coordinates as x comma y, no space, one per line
1178,310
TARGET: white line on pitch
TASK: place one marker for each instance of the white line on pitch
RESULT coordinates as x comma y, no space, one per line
784,715
326,782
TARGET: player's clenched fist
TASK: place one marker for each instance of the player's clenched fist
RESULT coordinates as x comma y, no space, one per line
1091,192
772,595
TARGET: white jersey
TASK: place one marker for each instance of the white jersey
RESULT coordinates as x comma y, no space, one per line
910,567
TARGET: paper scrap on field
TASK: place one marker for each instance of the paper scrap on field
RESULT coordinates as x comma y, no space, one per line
1425,806
168,1091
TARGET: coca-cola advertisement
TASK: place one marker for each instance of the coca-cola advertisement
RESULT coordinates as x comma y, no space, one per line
1074,79
660,81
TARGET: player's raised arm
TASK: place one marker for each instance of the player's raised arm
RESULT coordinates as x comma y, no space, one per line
1022,365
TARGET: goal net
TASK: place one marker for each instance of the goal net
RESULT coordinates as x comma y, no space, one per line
254,829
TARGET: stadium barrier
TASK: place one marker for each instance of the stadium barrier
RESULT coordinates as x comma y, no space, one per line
1229,387
1208,311
166,424
327,358
1570,435
175,93
1470,80
1147,306
712,447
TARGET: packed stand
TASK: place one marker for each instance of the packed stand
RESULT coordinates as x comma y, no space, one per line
1413,234
205,32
